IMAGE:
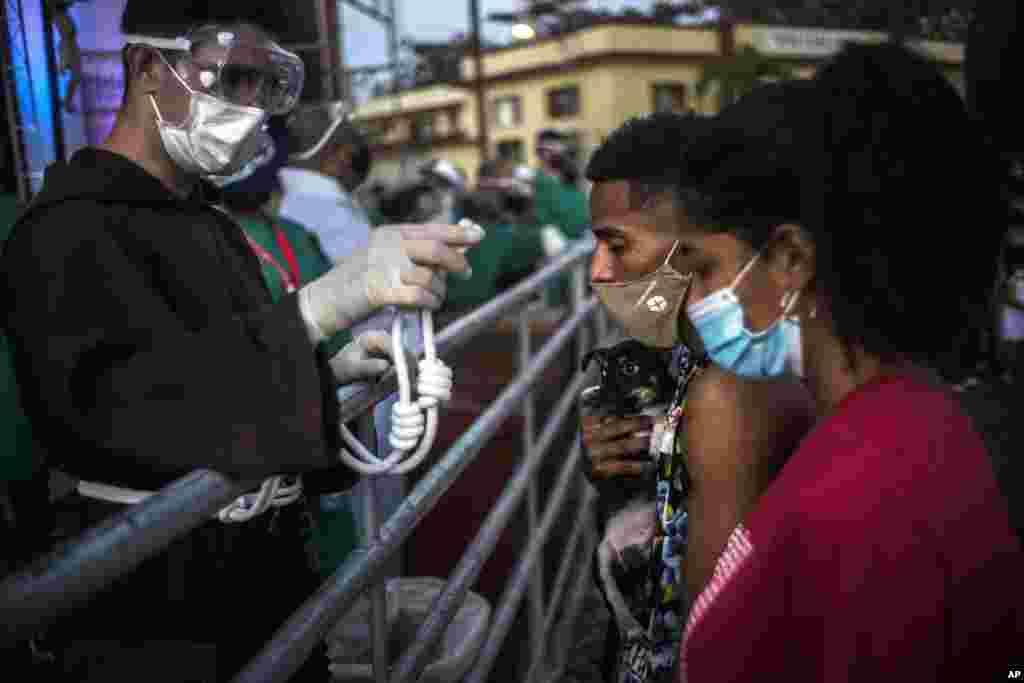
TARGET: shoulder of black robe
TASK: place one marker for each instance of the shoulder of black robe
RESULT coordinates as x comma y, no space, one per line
146,343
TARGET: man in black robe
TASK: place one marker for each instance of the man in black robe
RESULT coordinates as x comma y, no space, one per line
147,346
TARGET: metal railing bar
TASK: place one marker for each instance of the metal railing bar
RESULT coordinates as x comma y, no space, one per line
74,571
508,606
563,633
561,581
466,572
532,493
293,642
461,331
578,288
378,592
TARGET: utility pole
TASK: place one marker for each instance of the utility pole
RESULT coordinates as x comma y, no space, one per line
22,172
56,103
344,80
393,48
478,81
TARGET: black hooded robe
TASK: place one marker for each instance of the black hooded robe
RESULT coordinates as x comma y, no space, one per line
147,346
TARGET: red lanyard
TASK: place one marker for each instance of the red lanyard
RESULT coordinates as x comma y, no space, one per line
292,279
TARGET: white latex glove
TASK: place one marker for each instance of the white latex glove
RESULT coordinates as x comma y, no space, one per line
404,265
366,357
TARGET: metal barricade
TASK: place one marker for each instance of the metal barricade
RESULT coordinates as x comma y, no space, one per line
66,577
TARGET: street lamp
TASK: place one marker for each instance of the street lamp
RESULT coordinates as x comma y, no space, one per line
523,32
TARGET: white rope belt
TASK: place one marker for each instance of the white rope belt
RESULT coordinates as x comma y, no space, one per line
275,492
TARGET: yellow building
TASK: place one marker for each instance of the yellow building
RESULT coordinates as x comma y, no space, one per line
586,84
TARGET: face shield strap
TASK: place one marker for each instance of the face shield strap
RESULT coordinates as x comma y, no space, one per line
174,71
315,149
180,43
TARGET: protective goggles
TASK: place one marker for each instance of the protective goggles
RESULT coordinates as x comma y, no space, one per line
234,65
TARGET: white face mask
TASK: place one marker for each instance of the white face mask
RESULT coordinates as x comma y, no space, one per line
216,138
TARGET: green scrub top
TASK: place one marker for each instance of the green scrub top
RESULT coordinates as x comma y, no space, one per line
565,207
507,250
311,261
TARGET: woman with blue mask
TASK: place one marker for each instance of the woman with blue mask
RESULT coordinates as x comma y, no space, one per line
882,550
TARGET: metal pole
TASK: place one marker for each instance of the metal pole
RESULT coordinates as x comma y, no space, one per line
532,502
561,639
295,640
506,612
325,29
478,81
393,47
378,594
578,287
472,561
601,324
21,169
344,79
583,520
51,69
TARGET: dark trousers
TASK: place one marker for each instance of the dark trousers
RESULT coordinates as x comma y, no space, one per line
197,612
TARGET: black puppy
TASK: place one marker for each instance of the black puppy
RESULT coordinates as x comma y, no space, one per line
633,379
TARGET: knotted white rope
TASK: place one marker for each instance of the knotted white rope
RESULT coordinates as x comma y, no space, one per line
412,422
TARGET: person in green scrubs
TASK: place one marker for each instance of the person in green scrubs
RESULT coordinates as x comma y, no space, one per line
557,198
512,249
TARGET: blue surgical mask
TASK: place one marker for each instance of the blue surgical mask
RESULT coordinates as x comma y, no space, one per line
773,352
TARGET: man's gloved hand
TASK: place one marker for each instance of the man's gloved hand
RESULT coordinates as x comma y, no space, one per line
404,265
365,358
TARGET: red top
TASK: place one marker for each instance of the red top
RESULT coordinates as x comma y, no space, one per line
882,552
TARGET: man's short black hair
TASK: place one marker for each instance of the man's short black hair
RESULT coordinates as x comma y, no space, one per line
647,151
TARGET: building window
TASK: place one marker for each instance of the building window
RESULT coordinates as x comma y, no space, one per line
564,102
669,97
508,111
511,150
422,128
